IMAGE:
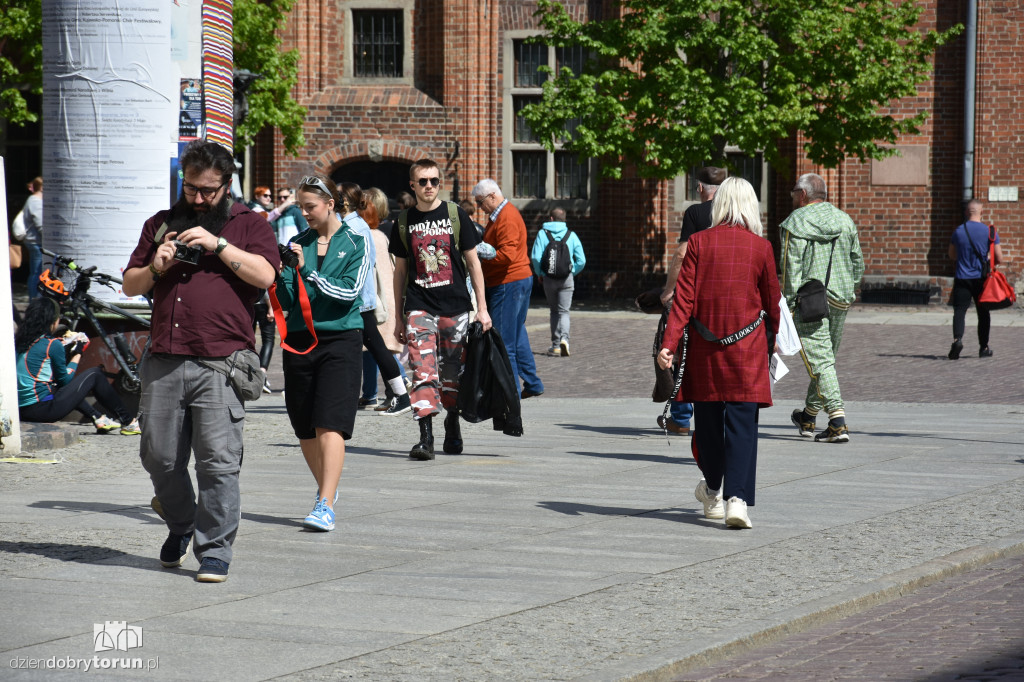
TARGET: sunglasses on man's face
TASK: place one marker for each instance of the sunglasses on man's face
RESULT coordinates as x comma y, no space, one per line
283,197
434,182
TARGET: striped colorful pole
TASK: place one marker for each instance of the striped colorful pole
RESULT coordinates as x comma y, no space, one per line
218,61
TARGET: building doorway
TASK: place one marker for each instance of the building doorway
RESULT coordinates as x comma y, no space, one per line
390,176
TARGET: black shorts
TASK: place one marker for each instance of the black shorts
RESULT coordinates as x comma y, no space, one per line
321,388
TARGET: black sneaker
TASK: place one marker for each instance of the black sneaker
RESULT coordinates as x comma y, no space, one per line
954,350
835,433
400,405
985,352
803,422
212,571
175,549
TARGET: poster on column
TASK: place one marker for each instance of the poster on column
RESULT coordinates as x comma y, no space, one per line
110,106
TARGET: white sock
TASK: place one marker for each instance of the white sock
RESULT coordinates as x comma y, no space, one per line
397,385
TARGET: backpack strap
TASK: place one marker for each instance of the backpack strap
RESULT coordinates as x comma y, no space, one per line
158,238
565,237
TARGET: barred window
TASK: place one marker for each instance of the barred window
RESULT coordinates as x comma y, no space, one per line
523,132
528,58
571,57
570,176
750,168
377,41
530,173
537,173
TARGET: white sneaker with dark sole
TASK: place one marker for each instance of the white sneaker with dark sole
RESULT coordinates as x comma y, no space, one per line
713,507
736,514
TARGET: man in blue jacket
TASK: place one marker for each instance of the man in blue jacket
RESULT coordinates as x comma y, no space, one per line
558,291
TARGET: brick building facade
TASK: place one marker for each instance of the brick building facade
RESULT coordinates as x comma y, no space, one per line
389,81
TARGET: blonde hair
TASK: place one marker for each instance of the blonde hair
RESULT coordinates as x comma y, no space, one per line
736,204
376,197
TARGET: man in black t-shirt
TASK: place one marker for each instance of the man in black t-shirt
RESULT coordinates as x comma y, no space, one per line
433,303
695,219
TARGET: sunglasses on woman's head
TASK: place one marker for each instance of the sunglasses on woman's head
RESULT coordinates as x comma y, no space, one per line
433,181
313,181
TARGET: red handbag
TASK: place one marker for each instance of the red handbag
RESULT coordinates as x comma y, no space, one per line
997,292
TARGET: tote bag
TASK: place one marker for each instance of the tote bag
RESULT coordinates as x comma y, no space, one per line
997,292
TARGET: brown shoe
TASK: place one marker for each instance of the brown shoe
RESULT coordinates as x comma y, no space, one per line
672,427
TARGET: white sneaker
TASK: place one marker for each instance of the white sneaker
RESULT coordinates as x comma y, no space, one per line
713,507
736,513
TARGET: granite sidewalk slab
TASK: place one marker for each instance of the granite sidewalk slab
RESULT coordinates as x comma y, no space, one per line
576,551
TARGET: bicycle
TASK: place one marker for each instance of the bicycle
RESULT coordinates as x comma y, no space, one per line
68,285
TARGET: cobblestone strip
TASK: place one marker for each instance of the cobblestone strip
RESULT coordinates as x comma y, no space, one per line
967,627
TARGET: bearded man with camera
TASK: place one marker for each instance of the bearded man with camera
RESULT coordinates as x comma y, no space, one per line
204,262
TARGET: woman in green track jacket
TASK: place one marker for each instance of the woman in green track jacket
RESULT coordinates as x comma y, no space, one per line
323,365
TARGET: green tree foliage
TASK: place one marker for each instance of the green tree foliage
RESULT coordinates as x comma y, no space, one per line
670,83
21,58
257,47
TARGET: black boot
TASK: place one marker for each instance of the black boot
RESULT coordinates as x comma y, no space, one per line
424,450
452,434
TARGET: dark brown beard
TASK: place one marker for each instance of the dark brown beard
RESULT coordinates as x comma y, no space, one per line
184,215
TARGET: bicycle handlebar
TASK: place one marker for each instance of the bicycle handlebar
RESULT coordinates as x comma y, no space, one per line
90,271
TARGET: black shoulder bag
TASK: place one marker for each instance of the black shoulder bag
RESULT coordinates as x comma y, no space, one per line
811,298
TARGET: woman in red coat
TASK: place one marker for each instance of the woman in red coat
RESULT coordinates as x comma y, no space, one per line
727,286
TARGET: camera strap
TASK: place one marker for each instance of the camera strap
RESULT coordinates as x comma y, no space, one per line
307,315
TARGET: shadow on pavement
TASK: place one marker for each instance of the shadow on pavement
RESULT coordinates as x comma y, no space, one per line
634,457
611,430
82,554
140,513
691,516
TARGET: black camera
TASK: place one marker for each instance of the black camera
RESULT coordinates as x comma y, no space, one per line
289,258
186,253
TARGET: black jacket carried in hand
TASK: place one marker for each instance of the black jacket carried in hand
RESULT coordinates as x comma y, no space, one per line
488,389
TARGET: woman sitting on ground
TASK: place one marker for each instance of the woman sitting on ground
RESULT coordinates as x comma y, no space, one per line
49,388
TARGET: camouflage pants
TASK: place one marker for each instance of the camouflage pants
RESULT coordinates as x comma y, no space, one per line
820,341
437,354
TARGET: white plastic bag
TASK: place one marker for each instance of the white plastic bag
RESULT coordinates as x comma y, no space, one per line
787,339
18,226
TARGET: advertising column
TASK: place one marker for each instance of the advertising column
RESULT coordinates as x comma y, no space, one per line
111,103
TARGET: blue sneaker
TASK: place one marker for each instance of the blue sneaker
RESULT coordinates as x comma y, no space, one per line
321,518
212,571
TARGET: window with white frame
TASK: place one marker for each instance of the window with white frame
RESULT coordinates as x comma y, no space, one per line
537,173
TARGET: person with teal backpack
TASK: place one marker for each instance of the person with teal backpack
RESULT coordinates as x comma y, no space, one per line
557,257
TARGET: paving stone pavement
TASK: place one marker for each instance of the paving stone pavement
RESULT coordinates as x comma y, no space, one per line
575,552
968,627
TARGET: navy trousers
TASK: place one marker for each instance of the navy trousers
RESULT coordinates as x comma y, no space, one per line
726,439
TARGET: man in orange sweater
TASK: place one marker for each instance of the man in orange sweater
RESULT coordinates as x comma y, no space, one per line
508,281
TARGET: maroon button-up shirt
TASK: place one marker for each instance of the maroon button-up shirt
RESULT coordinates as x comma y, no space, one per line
206,310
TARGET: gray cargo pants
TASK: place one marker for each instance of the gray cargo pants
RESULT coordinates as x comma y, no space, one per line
187,407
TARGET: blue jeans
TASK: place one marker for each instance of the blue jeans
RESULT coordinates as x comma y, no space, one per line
681,413
35,268
370,374
507,305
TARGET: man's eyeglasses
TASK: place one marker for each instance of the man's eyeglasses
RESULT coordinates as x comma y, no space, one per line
207,192
313,181
434,182
282,197
480,200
